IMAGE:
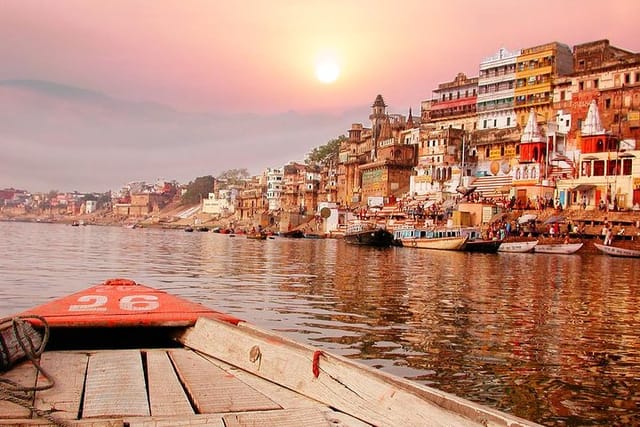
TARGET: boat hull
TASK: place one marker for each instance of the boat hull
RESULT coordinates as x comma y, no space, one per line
438,243
484,246
517,247
378,238
558,248
617,251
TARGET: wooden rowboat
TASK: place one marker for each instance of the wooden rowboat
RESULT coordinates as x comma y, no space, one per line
558,248
618,251
124,354
518,247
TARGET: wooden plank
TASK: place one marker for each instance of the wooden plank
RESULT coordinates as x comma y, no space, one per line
308,417
115,385
68,372
214,390
39,422
24,375
363,392
286,398
166,394
208,420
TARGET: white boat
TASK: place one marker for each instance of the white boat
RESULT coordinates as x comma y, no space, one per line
518,247
558,248
617,251
431,238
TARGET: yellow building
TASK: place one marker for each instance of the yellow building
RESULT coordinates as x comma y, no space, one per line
536,67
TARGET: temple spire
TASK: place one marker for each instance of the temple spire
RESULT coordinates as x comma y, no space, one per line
531,131
592,124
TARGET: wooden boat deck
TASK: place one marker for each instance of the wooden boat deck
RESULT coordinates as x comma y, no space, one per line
169,387
122,354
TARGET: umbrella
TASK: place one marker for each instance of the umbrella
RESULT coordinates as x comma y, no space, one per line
526,218
554,218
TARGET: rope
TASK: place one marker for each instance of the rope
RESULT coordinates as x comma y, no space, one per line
23,395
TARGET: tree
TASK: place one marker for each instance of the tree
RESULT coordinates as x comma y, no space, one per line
326,153
234,176
198,190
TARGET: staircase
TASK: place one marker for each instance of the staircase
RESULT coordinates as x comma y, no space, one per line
492,186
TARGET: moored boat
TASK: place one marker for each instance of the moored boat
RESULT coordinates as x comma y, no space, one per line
257,236
430,238
482,245
293,234
121,353
618,251
517,246
558,248
367,233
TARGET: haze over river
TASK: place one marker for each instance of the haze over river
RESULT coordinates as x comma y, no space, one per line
551,338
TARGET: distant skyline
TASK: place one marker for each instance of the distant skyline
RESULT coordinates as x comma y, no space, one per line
94,94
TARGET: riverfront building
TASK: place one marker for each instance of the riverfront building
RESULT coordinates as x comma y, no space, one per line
543,123
513,132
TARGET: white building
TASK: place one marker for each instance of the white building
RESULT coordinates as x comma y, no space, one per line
496,85
275,177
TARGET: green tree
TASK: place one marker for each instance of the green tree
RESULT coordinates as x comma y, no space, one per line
326,153
198,189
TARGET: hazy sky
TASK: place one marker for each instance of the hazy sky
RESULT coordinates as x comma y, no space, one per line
94,94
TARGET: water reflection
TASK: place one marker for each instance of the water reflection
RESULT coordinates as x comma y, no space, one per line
549,338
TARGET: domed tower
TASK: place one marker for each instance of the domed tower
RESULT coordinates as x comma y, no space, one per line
378,116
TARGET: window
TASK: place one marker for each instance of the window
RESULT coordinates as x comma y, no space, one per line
484,124
595,84
562,95
598,168
627,78
508,121
495,123
581,86
607,103
487,152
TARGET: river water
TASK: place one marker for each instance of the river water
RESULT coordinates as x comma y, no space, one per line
551,338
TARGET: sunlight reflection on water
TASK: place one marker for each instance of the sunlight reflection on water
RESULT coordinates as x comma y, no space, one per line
553,339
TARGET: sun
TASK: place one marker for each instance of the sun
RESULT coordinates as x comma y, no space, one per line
327,71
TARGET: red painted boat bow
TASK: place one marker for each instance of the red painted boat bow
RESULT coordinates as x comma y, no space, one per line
123,303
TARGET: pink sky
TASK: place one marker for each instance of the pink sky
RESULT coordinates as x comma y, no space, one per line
257,57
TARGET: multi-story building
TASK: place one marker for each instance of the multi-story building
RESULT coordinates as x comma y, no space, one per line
293,195
275,177
453,104
608,176
609,77
447,119
496,88
377,162
354,151
536,69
